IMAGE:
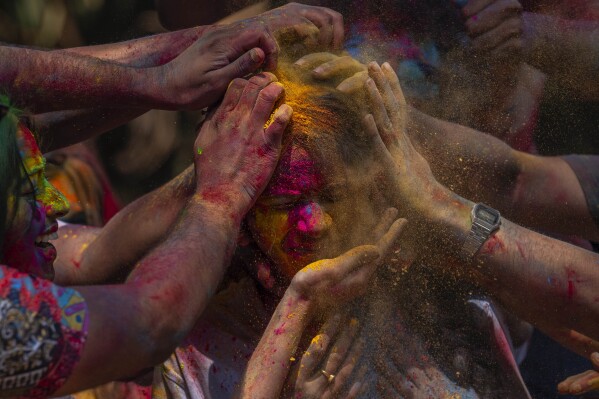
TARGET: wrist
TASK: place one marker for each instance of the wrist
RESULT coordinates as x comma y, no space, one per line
217,210
446,221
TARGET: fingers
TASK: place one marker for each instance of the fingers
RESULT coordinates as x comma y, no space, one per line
388,96
580,383
244,65
379,111
492,39
359,387
253,88
329,22
341,66
354,83
353,259
475,6
595,360
266,101
380,148
385,223
315,352
387,242
394,83
492,16
313,60
252,38
340,349
274,132
233,95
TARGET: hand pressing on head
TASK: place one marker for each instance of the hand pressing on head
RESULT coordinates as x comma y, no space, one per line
199,76
410,182
495,27
236,132
582,383
315,27
345,72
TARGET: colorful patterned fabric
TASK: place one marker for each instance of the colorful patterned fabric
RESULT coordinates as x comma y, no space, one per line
43,328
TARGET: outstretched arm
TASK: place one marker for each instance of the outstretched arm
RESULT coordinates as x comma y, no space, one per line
129,235
44,81
63,128
524,187
135,325
542,280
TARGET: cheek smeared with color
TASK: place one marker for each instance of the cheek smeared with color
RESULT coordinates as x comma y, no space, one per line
272,225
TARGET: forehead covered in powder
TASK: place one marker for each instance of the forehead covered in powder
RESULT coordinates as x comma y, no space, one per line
297,173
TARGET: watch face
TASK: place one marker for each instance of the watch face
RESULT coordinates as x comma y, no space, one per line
488,215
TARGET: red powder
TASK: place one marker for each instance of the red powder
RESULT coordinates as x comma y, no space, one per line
493,246
280,330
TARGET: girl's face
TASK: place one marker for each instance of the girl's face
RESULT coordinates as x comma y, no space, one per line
298,218
35,211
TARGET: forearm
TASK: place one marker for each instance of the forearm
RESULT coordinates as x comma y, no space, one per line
183,272
525,188
475,165
130,234
547,282
43,81
60,129
136,325
144,52
567,50
268,368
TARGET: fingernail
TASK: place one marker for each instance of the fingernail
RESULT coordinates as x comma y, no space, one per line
387,66
575,388
255,56
595,356
300,62
319,70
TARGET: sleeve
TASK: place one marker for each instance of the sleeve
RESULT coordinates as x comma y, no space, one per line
43,328
586,168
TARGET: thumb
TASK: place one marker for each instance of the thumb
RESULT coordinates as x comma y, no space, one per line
246,64
280,120
595,360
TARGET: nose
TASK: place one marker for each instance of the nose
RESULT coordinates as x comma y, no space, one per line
55,204
312,220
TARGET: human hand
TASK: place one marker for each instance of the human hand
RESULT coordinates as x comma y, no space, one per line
410,181
199,76
495,26
329,282
318,27
320,376
234,153
348,73
583,382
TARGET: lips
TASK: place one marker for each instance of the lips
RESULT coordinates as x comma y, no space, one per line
50,233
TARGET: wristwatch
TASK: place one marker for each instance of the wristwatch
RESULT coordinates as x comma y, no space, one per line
485,221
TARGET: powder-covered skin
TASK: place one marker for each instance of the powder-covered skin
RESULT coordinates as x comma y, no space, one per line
36,210
290,222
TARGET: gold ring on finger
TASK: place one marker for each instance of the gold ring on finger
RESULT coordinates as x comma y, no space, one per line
330,377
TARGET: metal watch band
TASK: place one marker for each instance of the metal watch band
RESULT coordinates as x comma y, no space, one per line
480,231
